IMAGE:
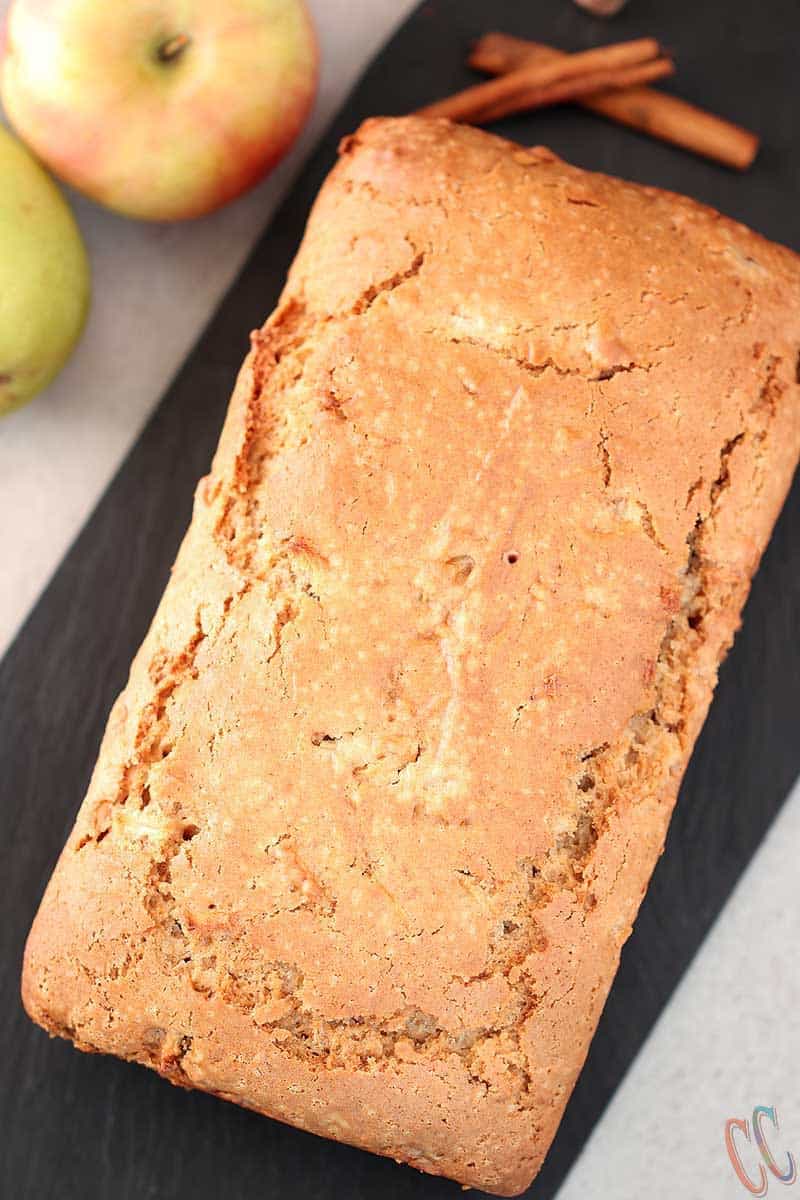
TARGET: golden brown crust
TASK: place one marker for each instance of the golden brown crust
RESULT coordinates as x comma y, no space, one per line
376,810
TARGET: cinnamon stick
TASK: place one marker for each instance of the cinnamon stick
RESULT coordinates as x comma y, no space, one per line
502,94
644,109
575,87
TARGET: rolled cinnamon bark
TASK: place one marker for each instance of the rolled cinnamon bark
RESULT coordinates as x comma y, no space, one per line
532,78
656,113
572,89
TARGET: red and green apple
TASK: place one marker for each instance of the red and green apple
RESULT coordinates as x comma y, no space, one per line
160,109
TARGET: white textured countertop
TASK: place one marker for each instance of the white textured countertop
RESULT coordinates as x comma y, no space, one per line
730,1038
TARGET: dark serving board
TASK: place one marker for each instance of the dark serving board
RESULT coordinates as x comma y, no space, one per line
92,1128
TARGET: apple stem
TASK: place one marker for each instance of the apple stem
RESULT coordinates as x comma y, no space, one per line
173,47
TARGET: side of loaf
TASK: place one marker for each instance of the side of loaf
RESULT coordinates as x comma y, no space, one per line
376,809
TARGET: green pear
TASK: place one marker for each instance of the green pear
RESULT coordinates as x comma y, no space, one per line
44,276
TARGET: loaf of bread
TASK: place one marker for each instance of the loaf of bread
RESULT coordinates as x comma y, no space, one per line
376,810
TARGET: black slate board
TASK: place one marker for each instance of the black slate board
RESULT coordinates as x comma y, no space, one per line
93,1128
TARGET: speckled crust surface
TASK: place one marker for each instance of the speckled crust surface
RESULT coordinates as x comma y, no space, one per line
377,807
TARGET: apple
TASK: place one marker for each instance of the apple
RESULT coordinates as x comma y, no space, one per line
44,276
160,109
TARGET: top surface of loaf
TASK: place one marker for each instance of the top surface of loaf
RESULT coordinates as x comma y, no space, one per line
424,609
